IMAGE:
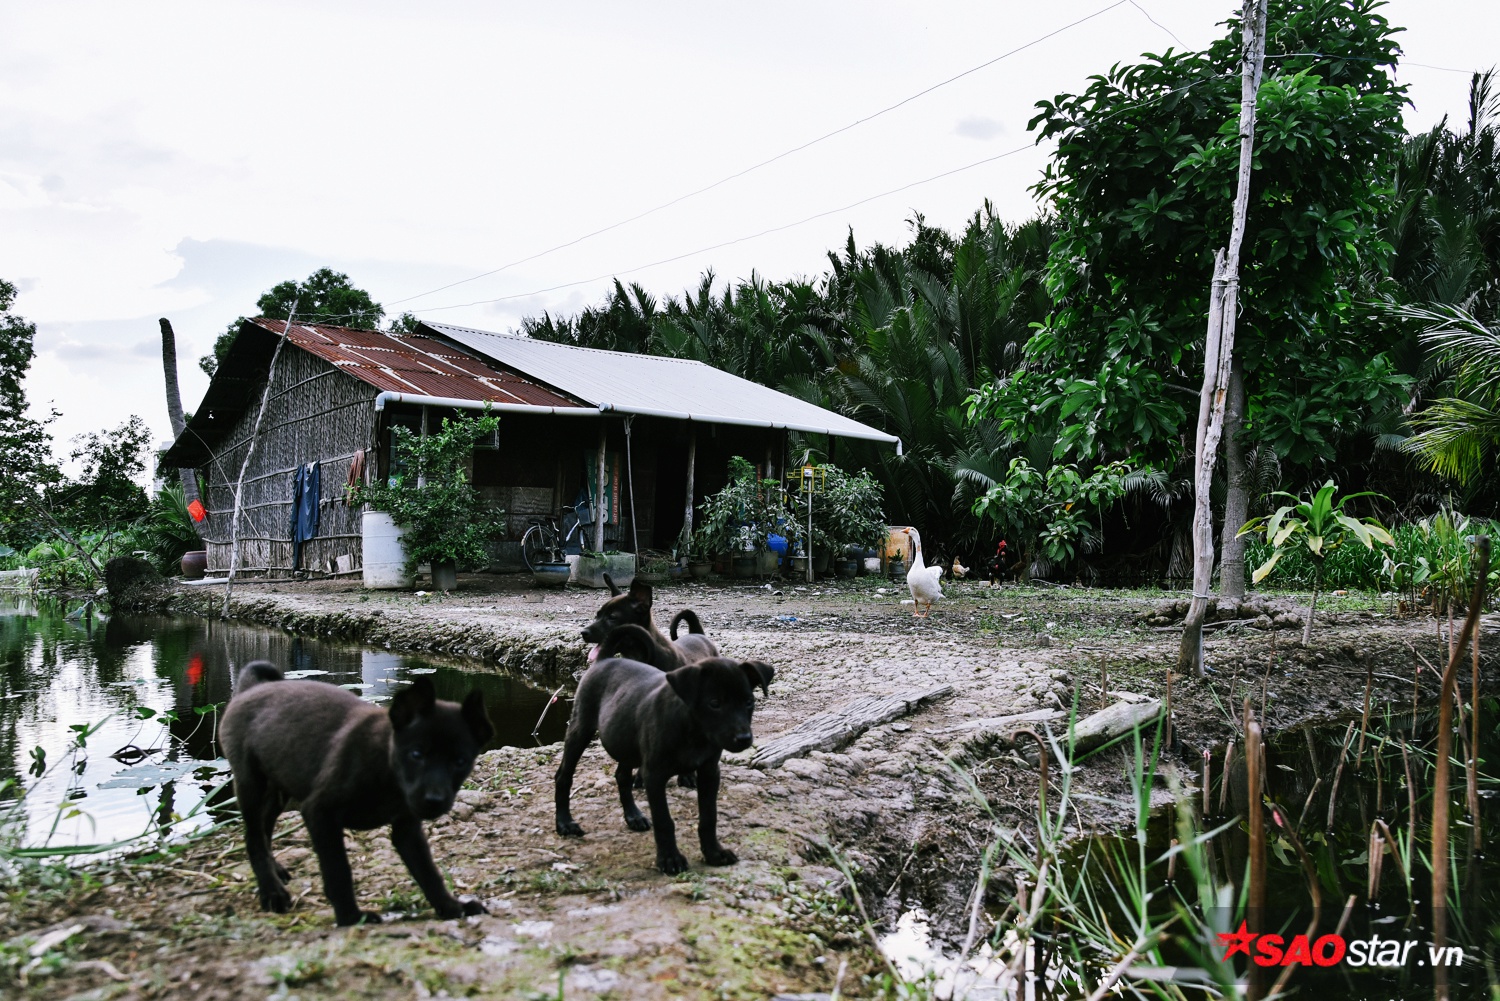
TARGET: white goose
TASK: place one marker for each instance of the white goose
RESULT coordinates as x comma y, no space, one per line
923,580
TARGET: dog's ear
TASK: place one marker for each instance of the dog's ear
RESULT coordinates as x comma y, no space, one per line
760,674
614,589
412,701
686,681
629,641
477,718
640,593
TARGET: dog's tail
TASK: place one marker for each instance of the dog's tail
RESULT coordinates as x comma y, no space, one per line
629,641
258,672
691,618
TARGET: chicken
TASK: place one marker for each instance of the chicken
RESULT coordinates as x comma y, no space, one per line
959,570
923,580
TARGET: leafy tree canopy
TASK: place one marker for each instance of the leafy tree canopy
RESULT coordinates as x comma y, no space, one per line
1141,186
327,296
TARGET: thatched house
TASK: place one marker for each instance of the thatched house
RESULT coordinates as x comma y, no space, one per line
654,433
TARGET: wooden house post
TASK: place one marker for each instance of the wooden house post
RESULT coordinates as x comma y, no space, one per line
600,480
692,461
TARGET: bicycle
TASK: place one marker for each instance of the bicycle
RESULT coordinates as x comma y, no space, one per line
545,542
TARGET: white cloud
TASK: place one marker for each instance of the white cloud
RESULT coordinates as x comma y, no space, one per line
179,158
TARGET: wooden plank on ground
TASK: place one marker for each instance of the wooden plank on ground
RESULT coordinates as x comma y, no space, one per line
837,728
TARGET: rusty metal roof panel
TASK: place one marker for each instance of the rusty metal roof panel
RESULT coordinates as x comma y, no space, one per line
411,363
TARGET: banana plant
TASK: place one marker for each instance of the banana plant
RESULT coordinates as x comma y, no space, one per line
1321,525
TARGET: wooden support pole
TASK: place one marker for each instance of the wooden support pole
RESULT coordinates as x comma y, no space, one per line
600,478
239,486
692,462
1219,346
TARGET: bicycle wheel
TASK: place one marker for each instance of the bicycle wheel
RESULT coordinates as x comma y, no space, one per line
536,546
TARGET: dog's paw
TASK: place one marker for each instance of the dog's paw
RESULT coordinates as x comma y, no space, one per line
281,872
672,863
569,829
276,900
688,780
637,822
459,909
720,855
472,907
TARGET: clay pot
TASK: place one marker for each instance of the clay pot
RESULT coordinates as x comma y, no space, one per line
194,564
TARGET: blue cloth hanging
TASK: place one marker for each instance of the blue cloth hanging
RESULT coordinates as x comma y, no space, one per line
305,496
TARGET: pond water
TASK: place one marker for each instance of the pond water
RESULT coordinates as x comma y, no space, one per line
145,693
1302,765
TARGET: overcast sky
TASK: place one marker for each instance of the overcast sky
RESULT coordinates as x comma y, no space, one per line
178,159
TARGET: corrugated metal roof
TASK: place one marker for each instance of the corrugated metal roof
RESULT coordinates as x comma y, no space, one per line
411,363
652,385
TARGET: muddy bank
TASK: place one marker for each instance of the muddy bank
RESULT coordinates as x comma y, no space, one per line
593,911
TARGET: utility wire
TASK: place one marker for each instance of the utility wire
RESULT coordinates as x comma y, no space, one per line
742,239
786,153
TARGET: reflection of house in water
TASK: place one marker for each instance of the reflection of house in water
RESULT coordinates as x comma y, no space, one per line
649,435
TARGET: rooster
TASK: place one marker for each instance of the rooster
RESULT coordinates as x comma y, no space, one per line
923,580
999,564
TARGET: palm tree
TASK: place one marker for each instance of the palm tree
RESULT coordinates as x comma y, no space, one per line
1458,434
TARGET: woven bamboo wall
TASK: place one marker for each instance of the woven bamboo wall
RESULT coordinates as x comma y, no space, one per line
315,412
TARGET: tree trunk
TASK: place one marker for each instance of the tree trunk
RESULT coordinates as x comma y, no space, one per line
1219,345
1237,501
1312,609
1180,562
174,404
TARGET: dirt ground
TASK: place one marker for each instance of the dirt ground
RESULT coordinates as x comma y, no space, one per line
591,917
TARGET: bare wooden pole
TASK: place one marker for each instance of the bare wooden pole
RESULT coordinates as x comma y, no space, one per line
174,404
599,477
239,486
1219,345
692,461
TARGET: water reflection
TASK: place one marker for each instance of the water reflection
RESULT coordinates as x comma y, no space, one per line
154,686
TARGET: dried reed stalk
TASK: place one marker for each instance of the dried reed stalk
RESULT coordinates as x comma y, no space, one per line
1440,818
1257,901
1338,774
1364,723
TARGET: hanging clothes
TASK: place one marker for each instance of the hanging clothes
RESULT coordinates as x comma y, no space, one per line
356,477
305,495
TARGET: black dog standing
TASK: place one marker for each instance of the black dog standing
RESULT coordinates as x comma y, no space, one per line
349,765
663,724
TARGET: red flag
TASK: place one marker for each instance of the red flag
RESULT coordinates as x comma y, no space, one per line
197,510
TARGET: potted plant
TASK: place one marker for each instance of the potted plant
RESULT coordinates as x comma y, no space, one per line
846,514
654,568
441,518
740,518
592,567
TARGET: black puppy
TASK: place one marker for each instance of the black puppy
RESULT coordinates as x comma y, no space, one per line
348,765
663,724
633,608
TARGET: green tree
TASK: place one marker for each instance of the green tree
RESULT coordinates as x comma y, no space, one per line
327,296
1141,186
25,442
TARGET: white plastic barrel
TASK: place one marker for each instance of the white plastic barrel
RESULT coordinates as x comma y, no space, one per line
385,562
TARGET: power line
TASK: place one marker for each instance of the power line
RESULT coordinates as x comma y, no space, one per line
786,153
806,219
742,239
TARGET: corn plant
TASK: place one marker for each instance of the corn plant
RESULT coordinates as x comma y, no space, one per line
1321,526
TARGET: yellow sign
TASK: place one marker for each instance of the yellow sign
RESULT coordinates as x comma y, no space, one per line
810,479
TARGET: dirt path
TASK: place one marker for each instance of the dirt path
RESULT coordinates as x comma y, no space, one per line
593,911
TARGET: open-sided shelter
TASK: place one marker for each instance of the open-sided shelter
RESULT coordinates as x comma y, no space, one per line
650,435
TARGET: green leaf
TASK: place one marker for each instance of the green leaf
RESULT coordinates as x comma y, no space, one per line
1265,568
